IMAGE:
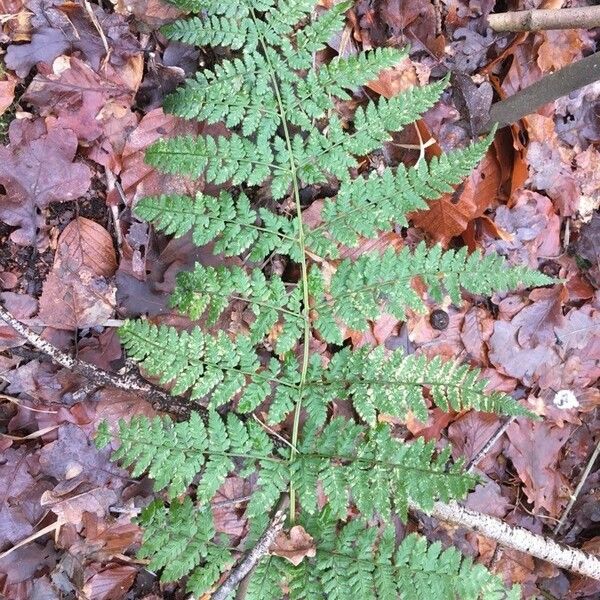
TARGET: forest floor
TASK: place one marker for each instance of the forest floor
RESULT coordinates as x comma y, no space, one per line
81,89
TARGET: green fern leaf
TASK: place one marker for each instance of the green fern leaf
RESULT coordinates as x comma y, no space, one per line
361,289
213,31
364,208
173,454
394,384
235,226
346,457
195,361
209,290
358,561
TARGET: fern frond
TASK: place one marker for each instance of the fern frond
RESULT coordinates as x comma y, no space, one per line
210,290
235,158
362,562
360,289
366,463
204,364
235,226
352,72
173,454
314,36
230,32
364,208
394,385
177,539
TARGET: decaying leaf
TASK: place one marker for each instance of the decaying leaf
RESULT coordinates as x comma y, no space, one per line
77,292
37,169
450,215
294,547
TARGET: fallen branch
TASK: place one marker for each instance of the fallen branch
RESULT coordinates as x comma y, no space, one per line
489,445
549,88
99,377
582,17
520,539
575,494
252,558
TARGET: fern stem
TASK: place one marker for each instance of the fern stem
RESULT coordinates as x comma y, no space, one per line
303,267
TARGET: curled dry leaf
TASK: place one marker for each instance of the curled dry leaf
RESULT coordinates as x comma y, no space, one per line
294,547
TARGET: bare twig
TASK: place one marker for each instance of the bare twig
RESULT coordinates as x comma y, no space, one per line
582,17
577,491
252,558
130,382
488,445
547,89
520,539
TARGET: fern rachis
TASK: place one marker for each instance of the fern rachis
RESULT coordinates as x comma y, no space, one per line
284,137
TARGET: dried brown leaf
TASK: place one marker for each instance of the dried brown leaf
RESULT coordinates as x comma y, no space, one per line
294,547
37,169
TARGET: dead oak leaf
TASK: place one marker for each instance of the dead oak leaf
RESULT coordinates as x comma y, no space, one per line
534,450
295,547
37,169
76,95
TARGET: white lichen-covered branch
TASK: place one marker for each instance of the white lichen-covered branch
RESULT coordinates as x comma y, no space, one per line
520,539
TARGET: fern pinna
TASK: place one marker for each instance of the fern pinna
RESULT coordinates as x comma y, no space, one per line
284,135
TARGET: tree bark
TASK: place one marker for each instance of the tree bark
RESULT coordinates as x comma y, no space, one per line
584,17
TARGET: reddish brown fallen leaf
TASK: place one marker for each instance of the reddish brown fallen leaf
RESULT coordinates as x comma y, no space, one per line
588,247
112,583
228,515
392,82
76,293
559,49
152,12
534,450
37,169
537,321
21,306
138,179
475,333
86,244
295,547
67,27
529,365
7,94
81,99
534,228
449,216
112,536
